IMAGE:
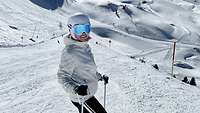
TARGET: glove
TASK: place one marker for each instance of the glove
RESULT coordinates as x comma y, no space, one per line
102,78
105,78
99,76
81,90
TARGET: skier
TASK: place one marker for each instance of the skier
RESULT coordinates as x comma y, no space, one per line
77,71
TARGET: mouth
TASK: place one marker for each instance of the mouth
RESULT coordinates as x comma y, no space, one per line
84,36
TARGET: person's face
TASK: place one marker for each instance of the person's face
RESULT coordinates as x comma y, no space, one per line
81,32
83,37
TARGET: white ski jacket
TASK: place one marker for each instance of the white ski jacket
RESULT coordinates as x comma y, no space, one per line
77,67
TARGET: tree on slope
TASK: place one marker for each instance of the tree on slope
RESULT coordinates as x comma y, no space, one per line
193,82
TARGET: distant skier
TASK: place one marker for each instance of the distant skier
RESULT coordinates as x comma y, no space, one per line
77,71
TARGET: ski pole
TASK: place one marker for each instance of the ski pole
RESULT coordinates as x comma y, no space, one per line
81,101
104,96
105,83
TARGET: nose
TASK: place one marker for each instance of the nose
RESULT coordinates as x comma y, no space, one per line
84,34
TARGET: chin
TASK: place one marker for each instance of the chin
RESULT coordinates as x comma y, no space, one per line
83,37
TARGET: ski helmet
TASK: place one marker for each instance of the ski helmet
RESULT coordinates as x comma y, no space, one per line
78,24
78,19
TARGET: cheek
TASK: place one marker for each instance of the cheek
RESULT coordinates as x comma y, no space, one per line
74,36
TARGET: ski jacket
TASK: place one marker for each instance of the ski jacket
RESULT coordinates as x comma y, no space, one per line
77,67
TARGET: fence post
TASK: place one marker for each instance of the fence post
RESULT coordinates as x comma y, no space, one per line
173,57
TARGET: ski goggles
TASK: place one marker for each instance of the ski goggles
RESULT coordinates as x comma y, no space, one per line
79,29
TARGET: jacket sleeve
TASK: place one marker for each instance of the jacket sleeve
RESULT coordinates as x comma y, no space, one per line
98,75
65,72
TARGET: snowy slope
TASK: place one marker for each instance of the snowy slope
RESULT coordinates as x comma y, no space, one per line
25,19
29,84
28,81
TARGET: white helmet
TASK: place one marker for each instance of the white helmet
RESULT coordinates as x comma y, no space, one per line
77,19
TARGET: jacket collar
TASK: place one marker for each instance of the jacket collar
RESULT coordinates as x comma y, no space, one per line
69,41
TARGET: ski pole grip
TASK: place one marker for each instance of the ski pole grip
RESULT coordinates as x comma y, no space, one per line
106,78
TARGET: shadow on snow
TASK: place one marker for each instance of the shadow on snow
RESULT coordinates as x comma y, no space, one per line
49,4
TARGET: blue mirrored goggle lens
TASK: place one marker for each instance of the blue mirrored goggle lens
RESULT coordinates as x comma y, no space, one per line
79,29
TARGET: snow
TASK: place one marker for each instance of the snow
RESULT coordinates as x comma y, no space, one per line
28,80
